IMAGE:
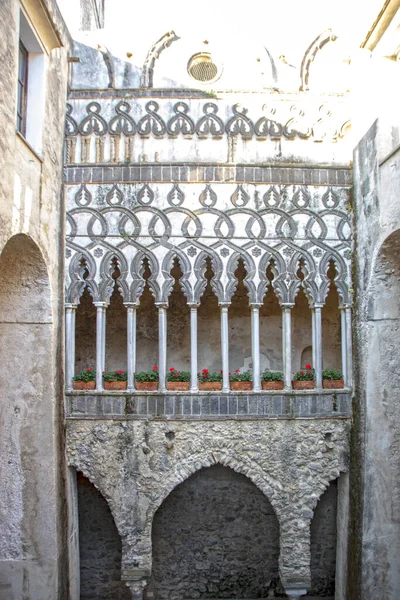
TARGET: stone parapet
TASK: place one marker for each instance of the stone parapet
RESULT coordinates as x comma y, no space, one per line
313,404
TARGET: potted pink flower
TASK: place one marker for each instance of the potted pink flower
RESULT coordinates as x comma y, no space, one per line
241,381
178,380
115,380
85,380
303,379
209,381
147,381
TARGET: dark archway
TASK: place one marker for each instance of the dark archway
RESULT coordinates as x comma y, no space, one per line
323,544
100,548
215,536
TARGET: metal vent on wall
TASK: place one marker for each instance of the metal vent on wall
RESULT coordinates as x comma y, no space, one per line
202,68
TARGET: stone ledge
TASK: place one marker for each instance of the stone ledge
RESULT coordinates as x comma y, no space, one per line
291,174
208,405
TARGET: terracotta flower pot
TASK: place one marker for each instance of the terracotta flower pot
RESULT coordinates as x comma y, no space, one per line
209,386
303,385
272,385
84,385
332,384
241,385
178,386
146,386
115,385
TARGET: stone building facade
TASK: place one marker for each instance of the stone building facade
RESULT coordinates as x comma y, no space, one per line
213,219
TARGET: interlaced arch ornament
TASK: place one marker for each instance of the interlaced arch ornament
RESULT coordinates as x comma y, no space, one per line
295,226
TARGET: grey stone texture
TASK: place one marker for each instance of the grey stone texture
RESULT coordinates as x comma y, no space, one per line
135,465
323,544
100,547
181,405
215,536
33,559
375,499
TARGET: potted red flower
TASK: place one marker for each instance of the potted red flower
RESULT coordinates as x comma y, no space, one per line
272,380
209,381
85,380
115,380
332,379
178,380
241,381
303,379
147,381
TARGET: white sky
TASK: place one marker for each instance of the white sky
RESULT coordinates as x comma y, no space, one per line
283,26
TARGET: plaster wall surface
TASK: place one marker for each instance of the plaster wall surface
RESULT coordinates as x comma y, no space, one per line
377,219
32,558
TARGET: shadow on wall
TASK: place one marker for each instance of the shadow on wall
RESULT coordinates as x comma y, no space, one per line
215,536
100,547
323,544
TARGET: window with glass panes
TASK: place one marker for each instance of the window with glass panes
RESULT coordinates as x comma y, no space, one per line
22,88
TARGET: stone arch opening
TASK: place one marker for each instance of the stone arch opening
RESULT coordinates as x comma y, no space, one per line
85,333
301,322
331,331
100,547
116,337
239,323
323,533
215,535
209,336
270,327
178,324
147,329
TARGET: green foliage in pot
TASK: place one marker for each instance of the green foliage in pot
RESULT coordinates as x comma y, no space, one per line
238,376
332,374
147,375
87,375
272,376
119,375
176,376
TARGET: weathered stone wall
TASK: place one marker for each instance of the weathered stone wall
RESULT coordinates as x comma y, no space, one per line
33,562
323,544
99,547
216,535
136,464
374,553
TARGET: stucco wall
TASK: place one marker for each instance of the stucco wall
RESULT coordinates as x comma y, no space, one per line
375,499
32,544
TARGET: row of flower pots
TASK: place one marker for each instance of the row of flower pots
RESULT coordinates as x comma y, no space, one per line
208,381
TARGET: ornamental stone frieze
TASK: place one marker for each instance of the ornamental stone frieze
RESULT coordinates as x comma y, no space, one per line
285,227
128,130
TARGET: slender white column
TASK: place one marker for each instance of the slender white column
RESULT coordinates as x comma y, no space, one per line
349,347
70,314
314,344
225,347
162,346
100,343
103,357
287,345
317,310
131,344
255,346
344,344
194,384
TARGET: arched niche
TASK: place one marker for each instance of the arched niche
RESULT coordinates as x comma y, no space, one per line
215,535
27,435
25,295
100,547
